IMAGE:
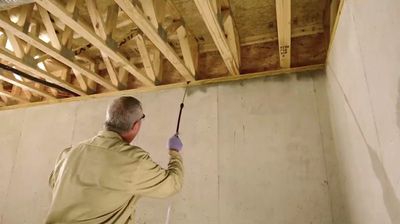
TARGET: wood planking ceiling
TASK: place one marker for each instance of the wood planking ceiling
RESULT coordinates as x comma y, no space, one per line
93,47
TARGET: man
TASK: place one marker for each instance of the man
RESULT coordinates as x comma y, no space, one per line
101,179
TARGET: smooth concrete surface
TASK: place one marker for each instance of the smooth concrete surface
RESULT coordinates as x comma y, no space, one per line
363,86
253,153
10,132
266,177
44,129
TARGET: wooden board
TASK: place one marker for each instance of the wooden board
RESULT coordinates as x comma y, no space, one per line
117,56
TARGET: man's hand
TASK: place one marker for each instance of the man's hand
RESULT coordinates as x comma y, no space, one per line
175,143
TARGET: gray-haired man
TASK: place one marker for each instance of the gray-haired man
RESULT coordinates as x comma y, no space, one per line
101,179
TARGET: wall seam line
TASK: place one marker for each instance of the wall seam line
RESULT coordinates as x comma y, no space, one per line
218,156
367,84
323,147
74,123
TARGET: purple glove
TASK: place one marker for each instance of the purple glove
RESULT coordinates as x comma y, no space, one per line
175,143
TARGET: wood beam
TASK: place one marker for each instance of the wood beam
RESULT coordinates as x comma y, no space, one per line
29,50
57,10
301,70
37,72
144,53
63,73
111,21
93,67
187,40
189,48
17,45
333,13
123,77
150,31
99,28
55,42
232,35
95,17
66,42
7,101
334,24
66,37
14,97
24,85
155,10
25,13
208,10
157,62
67,60
283,17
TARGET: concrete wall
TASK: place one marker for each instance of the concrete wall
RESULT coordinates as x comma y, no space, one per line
363,85
253,153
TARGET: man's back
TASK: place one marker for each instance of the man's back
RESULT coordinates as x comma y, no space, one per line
100,180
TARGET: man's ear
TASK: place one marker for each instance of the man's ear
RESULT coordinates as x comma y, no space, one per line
136,126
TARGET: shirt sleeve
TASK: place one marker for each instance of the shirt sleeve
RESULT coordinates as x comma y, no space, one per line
151,180
55,171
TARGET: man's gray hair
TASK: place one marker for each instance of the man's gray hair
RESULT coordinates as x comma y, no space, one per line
122,113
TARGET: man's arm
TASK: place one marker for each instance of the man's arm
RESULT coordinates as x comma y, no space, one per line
59,161
153,180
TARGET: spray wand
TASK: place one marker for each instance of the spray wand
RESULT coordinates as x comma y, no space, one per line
181,108
177,133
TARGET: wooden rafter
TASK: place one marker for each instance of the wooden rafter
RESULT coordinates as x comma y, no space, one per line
88,51
12,96
227,47
10,79
148,29
302,70
68,60
19,52
189,48
152,57
66,41
111,21
232,35
144,53
333,11
26,66
18,46
283,17
59,11
55,42
5,99
100,29
155,10
187,40
66,37
29,50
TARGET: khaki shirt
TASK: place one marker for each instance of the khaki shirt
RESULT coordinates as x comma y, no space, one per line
101,179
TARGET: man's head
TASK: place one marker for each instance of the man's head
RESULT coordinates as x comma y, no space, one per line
124,117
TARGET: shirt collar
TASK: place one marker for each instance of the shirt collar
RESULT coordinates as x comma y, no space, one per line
109,134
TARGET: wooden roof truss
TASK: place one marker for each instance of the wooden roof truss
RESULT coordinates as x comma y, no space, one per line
72,45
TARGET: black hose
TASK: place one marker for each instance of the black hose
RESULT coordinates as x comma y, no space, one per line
179,119
34,79
181,108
